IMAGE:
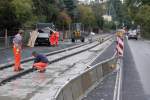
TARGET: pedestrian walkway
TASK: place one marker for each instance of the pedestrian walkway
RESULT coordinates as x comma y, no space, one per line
132,88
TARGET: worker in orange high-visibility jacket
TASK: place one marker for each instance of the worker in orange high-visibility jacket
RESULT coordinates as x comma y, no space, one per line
56,38
40,62
17,47
52,39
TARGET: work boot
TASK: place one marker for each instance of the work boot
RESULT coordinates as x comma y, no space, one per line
16,70
42,71
34,67
20,69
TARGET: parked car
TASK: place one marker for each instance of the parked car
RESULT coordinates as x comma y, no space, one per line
43,37
44,29
132,34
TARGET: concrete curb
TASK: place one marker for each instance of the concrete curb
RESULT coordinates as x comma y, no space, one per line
77,87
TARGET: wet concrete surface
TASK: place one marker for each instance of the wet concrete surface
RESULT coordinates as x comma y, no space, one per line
135,65
104,90
38,86
9,71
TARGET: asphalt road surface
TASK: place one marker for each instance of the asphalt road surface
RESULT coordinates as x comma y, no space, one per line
136,75
136,71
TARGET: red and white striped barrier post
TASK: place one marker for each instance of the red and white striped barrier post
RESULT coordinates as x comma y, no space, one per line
120,46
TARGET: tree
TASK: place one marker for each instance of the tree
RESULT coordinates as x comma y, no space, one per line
47,10
98,11
147,2
7,16
87,16
139,12
63,20
52,13
69,4
143,19
22,10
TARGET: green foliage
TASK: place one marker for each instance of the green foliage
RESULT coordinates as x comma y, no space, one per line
98,13
87,16
140,15
52,13
109,25
63,20
7,16
143,18
69,4
25,13
145,2
22,10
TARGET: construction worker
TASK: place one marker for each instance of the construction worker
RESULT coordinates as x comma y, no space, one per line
17,46
40,62
56,38
52,38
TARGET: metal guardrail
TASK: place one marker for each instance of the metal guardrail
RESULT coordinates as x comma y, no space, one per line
7,41
77,87
118,84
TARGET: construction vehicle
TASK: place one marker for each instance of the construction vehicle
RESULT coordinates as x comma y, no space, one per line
77,34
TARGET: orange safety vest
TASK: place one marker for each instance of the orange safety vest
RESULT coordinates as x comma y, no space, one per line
52,39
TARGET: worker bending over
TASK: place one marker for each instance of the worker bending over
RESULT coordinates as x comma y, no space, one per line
40,62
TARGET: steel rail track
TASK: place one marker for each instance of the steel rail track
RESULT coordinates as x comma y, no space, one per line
47,54
17,75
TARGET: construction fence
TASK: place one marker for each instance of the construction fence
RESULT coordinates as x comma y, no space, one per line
6,40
